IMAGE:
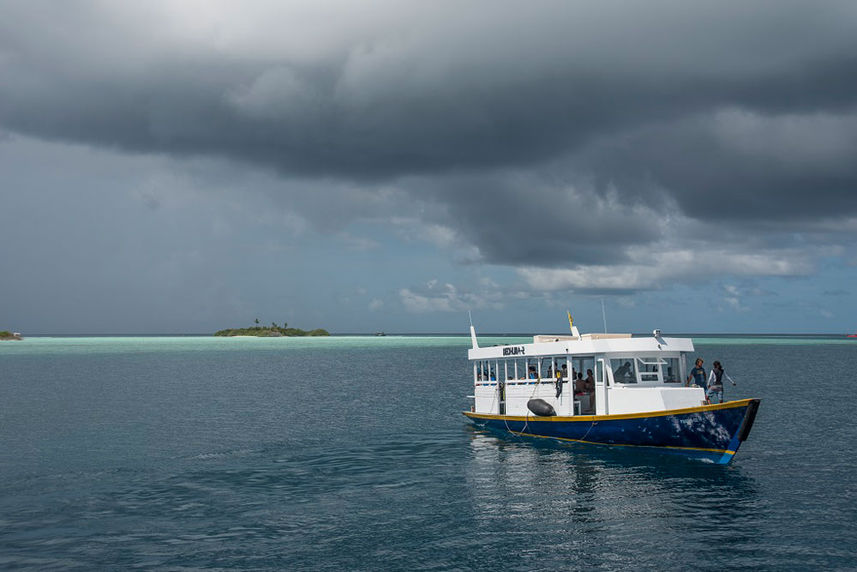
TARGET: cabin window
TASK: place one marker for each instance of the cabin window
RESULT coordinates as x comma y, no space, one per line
671,370
623,370
486,371
553,365
646,370
533,368
516,369
548,364
649,369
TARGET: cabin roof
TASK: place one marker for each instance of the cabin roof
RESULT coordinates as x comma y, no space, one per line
586,344
544,338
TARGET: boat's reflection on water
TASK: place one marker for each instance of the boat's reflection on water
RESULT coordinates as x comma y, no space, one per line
616,493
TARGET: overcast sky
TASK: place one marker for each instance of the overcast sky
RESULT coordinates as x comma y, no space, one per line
185,166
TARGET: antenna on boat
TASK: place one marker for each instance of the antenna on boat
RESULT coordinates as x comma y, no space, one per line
472,331
604,315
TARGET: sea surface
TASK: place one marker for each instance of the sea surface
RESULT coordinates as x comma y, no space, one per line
352,453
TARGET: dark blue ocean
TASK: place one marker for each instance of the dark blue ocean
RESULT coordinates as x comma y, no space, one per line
352,453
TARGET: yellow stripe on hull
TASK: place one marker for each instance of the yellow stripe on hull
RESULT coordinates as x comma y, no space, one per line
590,418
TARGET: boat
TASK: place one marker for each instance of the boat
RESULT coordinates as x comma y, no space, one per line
632,394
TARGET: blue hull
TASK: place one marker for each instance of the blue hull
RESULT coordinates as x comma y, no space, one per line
712,432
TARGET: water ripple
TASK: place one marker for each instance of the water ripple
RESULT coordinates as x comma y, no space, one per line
258,458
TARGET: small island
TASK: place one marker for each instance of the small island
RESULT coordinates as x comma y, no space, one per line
272,331
7,335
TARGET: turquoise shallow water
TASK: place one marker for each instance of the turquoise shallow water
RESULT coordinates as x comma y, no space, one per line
351,452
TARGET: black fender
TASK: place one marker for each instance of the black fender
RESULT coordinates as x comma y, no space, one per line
541,408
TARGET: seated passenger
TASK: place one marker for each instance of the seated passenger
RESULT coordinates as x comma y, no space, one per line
531,372
565,371
589,382
579,385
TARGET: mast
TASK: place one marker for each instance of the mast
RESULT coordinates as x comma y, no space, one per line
472,331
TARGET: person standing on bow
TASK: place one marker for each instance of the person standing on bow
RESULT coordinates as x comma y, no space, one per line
715,382
697,375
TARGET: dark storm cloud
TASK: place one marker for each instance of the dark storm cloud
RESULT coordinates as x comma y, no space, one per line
517,218
744,112
740,166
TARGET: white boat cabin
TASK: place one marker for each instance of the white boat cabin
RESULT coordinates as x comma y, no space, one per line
602,374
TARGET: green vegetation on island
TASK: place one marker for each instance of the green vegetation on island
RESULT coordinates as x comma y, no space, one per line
7,335
272,331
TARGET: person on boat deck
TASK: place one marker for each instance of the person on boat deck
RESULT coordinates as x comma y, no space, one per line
492,376
715,382
564,371
558,383
697,375
579,385
531,373
589,382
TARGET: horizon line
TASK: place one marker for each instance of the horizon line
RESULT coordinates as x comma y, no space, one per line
462,334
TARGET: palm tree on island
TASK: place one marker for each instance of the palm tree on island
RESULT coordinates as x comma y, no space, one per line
272,331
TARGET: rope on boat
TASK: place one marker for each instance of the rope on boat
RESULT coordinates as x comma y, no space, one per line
585,435
527,418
